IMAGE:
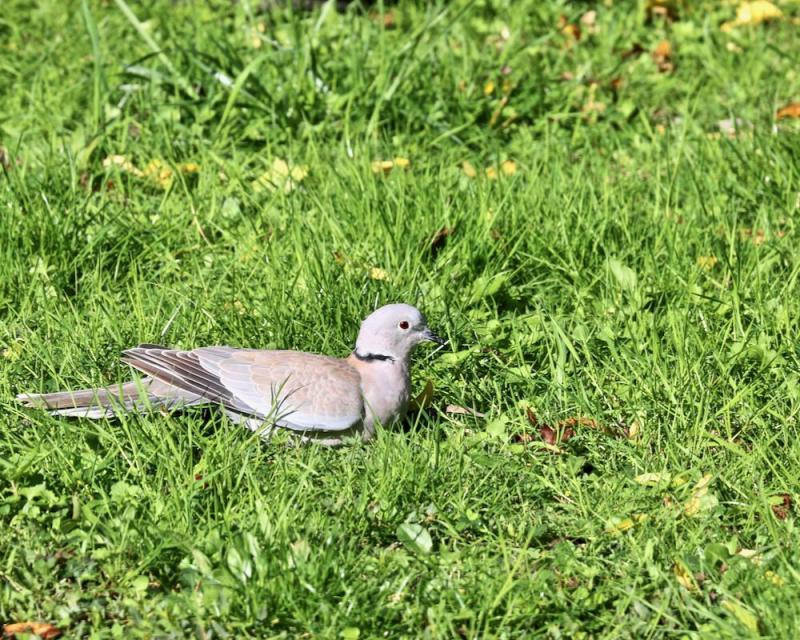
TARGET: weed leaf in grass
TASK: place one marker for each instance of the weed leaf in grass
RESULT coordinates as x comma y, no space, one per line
742,614
415,537
624,275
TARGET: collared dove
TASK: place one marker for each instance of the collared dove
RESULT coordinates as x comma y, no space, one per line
326,399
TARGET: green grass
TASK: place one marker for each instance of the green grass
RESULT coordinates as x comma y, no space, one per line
582,285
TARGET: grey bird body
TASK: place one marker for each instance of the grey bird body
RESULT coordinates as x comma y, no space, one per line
326,399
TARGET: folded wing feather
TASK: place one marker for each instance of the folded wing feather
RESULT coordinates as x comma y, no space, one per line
300,391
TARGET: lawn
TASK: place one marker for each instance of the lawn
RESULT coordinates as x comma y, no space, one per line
598,204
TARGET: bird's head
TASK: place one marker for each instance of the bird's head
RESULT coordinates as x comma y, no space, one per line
393,331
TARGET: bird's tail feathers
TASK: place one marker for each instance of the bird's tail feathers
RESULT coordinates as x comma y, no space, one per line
135,396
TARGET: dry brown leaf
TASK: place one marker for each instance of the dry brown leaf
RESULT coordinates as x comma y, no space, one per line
782,509
579,421
439,239
662,56
572,31
387,21
666,9
456,410
522,438
757,236
791,110
561,432
557,435
634,52
41,629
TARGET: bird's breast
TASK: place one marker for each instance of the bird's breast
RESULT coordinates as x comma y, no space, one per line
386,391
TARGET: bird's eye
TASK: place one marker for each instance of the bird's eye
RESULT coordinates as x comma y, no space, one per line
403,325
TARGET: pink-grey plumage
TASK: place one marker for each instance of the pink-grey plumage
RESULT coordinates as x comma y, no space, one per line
323,397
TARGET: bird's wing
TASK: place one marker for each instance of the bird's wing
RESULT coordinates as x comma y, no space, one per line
300,391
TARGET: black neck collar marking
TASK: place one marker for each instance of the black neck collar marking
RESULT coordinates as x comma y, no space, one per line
371,357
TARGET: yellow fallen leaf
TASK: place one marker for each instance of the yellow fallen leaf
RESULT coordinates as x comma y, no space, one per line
572,31
468,169
753,13
159,172
13,351
701,499
424,399
488,88
707,262
382,166
190,167
298,173
123,163
402,163
752,555
684,576
652,479
742,614
617,526
663,50
280,176
774,578
508,167
491,173
376,273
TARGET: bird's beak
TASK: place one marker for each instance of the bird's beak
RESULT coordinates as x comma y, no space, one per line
430,335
